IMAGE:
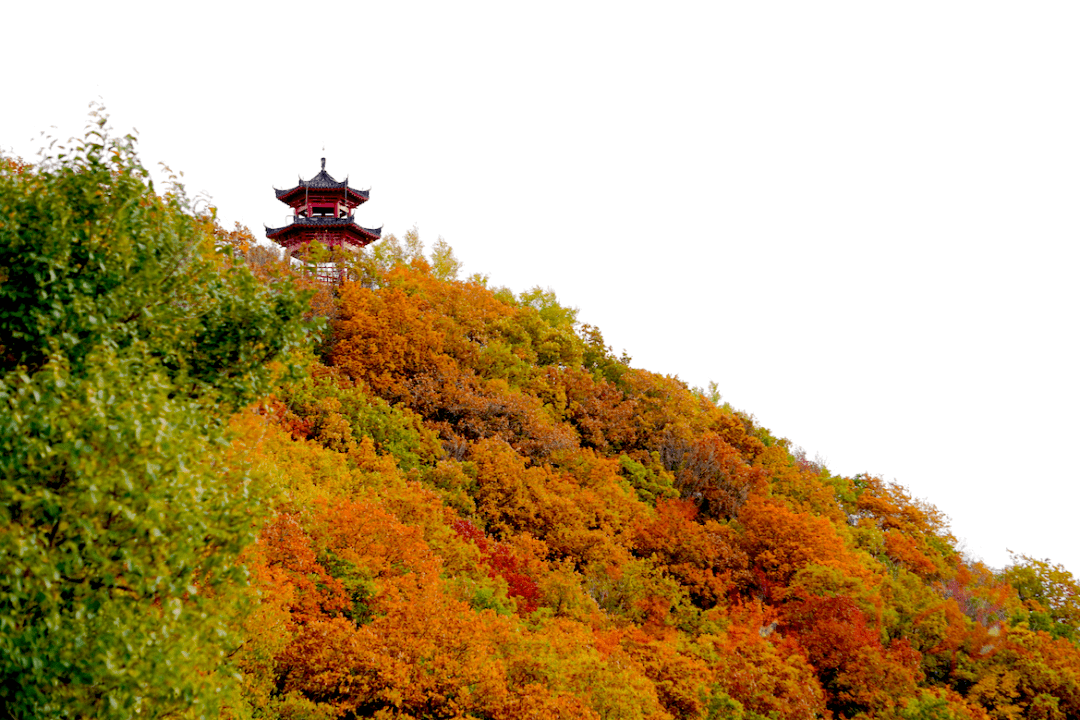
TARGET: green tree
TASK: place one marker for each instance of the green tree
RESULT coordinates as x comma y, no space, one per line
126,340
1050,593
444,265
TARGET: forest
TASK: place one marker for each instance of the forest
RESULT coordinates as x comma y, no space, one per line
230,491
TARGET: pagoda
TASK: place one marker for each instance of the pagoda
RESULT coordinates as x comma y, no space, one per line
323,211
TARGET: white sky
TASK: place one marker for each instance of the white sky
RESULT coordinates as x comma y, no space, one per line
859,218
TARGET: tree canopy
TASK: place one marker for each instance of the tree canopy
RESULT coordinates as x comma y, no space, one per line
127,339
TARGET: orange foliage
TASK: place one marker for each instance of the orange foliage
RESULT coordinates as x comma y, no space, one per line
858,672
581,512
781,541
387,339
599,412
415,650
677,676
761,669
472,454
800,484
916,534
700,554
395,342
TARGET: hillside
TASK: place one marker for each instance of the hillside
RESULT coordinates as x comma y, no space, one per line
229,491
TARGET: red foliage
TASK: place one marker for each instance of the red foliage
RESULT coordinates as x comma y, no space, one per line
857,671
502,562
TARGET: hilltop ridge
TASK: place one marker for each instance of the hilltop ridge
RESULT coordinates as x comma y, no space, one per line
614,543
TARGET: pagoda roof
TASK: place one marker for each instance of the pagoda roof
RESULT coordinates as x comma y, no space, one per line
322,181
324,223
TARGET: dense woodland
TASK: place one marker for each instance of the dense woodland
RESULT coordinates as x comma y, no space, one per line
230,491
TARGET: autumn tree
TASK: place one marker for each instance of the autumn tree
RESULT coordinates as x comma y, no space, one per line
1050,593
